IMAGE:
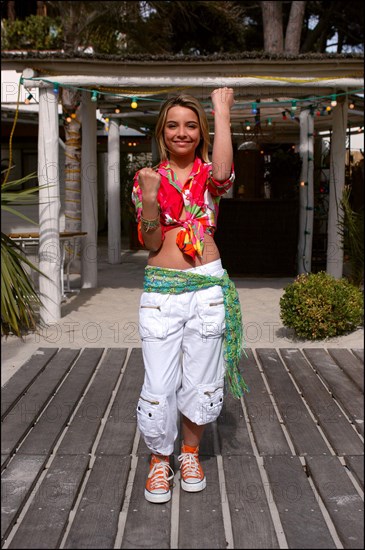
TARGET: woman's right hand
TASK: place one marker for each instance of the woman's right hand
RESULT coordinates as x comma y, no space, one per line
149,183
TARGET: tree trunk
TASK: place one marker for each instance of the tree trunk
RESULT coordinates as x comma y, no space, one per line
294,28
11,10
272,19
41,8
70,104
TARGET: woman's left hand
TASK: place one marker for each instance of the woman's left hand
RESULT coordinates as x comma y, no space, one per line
222,98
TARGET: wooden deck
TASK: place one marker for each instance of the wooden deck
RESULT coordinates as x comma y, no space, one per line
284,468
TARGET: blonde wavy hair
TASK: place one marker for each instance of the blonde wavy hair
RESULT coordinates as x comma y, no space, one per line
183,100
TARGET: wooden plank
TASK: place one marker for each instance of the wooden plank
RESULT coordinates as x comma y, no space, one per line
200,518
19,383
47,430
232,428
17,424
342,501
148,525
251,520
339,384
266,428
17,482
83,429
300,515
96,521
119,432
301,427
333,422
46,519
58,412
350,364
359,353
356,466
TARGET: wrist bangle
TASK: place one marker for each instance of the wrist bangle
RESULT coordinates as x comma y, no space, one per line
150,225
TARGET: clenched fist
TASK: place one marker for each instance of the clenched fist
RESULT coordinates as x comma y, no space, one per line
222,99
149,182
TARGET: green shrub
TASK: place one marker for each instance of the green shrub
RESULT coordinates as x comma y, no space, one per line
319,306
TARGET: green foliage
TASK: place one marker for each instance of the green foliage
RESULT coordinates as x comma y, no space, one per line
35,32
319,306
351,229
19,299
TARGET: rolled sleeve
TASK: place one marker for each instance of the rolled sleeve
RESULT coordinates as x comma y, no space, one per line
218,188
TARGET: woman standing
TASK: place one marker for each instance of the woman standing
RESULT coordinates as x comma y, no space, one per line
190,318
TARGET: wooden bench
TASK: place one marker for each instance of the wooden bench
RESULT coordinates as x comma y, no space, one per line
284,466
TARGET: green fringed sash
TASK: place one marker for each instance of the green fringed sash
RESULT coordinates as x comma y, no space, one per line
167,281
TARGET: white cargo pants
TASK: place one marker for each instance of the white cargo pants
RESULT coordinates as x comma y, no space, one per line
182,345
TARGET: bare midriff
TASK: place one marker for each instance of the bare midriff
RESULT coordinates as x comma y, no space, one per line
170,255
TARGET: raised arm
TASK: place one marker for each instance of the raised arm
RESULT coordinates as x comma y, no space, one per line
222,156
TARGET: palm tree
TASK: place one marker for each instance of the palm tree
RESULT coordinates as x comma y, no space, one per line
19,298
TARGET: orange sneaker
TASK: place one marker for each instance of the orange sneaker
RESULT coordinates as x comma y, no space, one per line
192,476
158,482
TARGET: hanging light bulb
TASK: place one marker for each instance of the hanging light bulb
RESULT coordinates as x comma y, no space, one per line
284,115
293,105
117,110
134,103
351,105
254,108
328,108
248,126
68,118
28,98
56,88
269,122
94,96
333,100
73,115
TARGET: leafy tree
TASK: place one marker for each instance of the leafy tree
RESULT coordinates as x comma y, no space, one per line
197,27
36,32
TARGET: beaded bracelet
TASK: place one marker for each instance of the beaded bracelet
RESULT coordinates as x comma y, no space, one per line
150,225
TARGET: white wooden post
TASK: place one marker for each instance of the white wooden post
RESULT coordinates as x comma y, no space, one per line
49,208
337,182
306,192
114,220
89,196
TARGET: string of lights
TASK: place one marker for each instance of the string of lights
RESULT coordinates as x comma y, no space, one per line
291,104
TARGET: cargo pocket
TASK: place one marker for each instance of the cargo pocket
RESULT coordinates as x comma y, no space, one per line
151,415
210,401
211,312
154,313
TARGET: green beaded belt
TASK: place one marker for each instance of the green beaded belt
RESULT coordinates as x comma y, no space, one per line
167,281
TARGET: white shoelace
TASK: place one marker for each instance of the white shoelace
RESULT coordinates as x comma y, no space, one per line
189,465
160,472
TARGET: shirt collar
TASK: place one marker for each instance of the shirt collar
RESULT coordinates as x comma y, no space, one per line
194,171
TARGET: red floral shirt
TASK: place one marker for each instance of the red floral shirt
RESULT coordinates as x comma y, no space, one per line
199,195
